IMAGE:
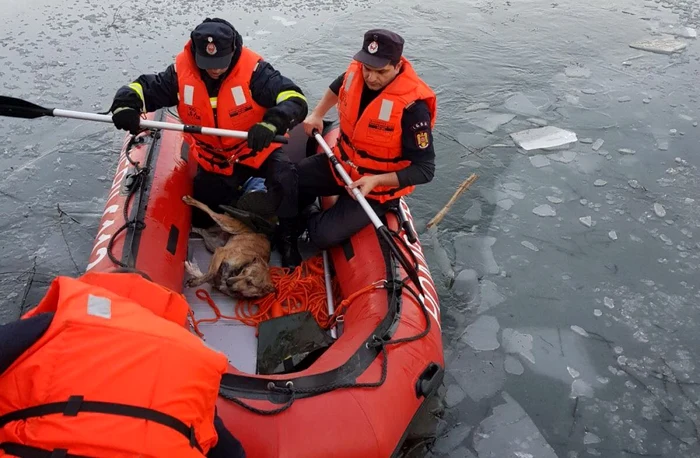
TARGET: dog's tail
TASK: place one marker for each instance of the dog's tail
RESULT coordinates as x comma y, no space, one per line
193,269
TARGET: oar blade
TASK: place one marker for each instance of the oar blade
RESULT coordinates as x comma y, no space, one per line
18,108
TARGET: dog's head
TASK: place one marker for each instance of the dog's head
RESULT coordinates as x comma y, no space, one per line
252,281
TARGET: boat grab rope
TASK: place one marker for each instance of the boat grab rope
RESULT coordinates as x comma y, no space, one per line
288,388
138,179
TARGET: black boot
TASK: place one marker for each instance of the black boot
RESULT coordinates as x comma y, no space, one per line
287,236
309,210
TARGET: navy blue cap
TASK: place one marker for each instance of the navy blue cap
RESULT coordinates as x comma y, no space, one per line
380,48
214,44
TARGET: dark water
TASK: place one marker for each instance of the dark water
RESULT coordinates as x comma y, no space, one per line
561,339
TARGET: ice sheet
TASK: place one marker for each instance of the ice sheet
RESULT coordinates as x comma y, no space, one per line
660,45
543,137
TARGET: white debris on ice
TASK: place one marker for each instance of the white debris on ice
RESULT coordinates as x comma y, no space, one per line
609,303
590,438
544,210
665,45
543,137
659,210
579,330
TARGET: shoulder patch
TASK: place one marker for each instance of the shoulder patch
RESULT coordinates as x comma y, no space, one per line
422,139
422,125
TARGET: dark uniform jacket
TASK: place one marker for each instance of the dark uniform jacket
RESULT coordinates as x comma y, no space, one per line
160,90
415,120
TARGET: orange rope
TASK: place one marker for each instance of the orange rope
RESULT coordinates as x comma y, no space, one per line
303,289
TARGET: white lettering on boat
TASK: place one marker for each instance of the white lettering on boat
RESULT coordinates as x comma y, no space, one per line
430,296
113,208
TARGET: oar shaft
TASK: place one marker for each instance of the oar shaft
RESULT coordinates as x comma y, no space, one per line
329,290
381,228
81,115
147,124
348,181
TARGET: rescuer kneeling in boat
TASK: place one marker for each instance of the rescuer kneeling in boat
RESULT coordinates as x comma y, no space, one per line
386,115
104,366
217,82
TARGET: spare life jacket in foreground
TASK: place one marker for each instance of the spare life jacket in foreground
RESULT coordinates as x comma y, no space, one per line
115,374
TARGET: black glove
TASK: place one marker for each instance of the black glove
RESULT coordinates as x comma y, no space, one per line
127,118
261,135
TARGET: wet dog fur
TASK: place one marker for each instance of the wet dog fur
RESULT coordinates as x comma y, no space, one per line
239,266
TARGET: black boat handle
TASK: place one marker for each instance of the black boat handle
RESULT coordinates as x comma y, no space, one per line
429,380
406,225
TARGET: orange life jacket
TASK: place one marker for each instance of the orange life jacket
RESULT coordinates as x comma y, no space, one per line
235,110
370,144
115,374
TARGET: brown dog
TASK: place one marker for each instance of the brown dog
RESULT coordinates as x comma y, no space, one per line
239,265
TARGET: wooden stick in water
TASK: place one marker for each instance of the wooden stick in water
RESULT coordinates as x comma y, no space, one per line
462,187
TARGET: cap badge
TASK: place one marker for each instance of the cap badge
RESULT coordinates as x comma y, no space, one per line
372,47
211,47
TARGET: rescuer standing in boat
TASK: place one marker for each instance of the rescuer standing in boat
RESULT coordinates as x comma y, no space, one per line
386,115
104,366
217,82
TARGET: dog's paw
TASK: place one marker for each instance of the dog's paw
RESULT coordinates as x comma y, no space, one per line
193,269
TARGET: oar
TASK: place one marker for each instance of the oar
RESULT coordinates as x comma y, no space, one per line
381,228
329,290
18,108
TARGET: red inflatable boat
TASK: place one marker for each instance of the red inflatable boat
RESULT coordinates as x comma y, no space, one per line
353,392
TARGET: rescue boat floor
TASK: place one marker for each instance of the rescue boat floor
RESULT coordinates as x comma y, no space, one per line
235,339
